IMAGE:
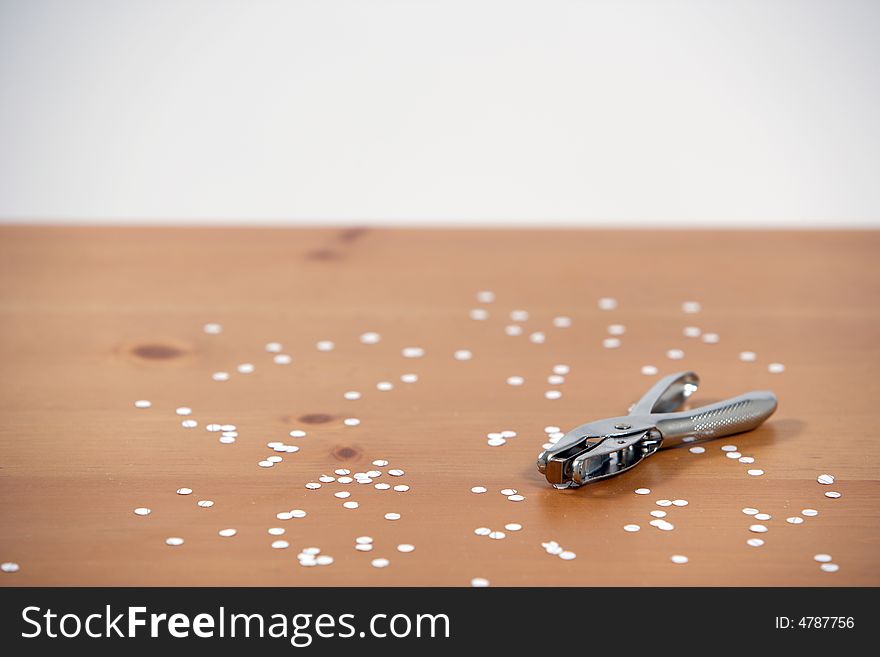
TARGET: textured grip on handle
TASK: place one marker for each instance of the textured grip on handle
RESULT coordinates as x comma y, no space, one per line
730,416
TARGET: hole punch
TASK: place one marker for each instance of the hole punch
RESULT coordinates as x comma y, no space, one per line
605,448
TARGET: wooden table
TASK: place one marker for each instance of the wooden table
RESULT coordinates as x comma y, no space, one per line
96,318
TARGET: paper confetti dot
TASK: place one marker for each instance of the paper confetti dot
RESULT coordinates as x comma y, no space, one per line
143,403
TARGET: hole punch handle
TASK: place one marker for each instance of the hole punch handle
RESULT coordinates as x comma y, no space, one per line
724,418
668,394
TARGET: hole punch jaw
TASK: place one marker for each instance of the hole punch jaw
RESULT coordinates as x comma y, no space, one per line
597,450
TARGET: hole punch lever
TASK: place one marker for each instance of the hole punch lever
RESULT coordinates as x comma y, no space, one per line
604,448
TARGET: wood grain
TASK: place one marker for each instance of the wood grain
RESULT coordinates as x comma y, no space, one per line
92,319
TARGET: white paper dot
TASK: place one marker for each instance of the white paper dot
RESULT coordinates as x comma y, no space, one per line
282,359
485,296
833,494
607,303
246,368
409,378
750,511
680,502
280,544
762,516
697,450
406,548
479,314
462,354
657,513
174,540
143,403
226,533
350,505
631,528
515,380
519,315
611,343
822,558
756,472
664,502
479,582
642,491
497,536
692,331
748,356
142,511
830,567
380,563
553,394
513,527
205,504
9,567
567,555
755,542
562,321
776,368
537,337
758,529
674,354
691,307
413,352
513,330
351,421
711,338
482,531
212,328
392,516
678,558
184,491
649,370
825,479
273,347
324,345
220,376
810,513
794,520
370,337
516,498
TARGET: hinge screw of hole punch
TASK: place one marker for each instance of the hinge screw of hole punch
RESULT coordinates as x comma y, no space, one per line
622,426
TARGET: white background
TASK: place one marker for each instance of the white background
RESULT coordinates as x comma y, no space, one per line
670,112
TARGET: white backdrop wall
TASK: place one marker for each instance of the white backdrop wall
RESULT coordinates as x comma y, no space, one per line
550,112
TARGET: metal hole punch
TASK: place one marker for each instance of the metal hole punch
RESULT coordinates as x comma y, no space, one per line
608,447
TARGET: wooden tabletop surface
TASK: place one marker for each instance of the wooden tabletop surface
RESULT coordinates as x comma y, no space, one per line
92,319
